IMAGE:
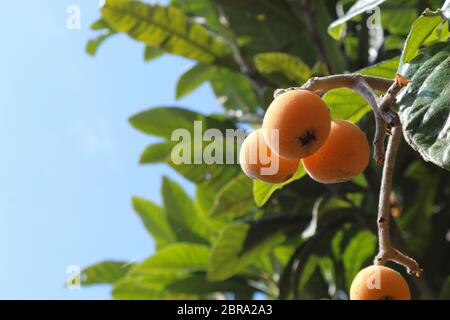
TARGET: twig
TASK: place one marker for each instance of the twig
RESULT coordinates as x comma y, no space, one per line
388,99
386,251
322,84
366,91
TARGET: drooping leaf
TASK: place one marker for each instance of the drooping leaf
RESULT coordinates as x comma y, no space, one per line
155,221
424,106
107,31
106,272
166,28
93,44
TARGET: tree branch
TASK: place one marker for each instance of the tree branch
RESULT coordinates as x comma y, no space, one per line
386,251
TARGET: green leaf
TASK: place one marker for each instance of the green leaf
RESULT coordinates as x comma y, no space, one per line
234,91
93,44
423,29
166,28
193,78
106,272
262,191
149,279
361,6
162,121
359,250
197,284
182,215
235,198
151,53
227,256
423,106
155,221
347,104
283,65
420,198
158,152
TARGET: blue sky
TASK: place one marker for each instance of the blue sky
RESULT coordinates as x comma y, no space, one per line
69,164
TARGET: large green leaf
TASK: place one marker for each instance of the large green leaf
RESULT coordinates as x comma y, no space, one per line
262,191
233,90
163,121
283,68
424,106
106,272
150,278
193,78
235,198
185,221
335,28
359,250
227,256
349,105
424,29
155,221
167,28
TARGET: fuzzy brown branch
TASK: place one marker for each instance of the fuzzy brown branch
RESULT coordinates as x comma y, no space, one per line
366,91
388,99
320,85
386,251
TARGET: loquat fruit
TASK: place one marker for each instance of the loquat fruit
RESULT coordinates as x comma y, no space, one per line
302,121
259,162
344,155
379,283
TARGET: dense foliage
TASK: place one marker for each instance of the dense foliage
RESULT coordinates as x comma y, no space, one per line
298,239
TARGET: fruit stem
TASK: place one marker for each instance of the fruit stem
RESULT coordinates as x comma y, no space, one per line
386,251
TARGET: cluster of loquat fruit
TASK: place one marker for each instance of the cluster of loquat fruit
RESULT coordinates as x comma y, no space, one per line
331,151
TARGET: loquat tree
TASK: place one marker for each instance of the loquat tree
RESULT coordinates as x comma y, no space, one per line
338,214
